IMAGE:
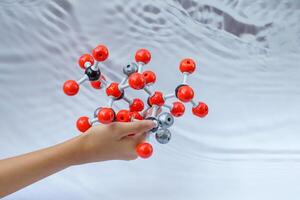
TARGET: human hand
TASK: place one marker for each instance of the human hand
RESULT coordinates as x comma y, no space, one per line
112,141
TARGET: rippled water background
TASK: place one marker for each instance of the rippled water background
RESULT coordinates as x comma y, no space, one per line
248,55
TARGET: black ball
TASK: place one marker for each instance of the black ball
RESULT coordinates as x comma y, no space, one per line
93,75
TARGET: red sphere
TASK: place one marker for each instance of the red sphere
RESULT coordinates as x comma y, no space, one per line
97,84
106,115
136,105
177,109
85,58
201,110
123,116
100,53
185,93
113,90
136,115
149,76
142,55
187,65
83,124
144,150
157,99
136,81
71,87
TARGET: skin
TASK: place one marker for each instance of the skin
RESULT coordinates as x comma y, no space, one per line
99,143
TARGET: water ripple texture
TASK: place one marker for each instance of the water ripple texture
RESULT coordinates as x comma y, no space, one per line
248,55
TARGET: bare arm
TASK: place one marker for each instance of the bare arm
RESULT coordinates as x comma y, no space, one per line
99,143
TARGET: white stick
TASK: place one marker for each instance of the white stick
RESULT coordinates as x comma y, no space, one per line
110,102
147,89
94,120
129,101
167,106
140,67
84,78
169,96
122,87
95,66
145,110
154,110
87,64
193,103
185,76
123,82
103,81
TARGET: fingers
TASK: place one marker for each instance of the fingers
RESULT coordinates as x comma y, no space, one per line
141,126
140,138
132,142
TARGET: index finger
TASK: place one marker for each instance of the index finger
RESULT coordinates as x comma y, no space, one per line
136,127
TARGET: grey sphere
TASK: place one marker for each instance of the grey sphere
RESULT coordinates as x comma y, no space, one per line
163,136
130,69
165,120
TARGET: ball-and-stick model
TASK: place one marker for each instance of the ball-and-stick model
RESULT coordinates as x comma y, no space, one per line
136,79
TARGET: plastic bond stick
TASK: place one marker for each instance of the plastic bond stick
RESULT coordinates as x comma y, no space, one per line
162,113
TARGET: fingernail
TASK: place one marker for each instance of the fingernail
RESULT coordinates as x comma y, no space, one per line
152,124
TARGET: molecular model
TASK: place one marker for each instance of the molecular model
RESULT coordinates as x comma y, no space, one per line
136,79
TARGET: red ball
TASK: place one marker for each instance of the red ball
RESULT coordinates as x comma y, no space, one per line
177,109
83,124
201,110
113,90
149,76
157,99
142,55
71,87
136,81
185,93
136,115
97,84
187,65
100,53
85,58
106,115
123,116
136,105
144,150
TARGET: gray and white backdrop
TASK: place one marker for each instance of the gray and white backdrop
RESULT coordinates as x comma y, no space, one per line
248,55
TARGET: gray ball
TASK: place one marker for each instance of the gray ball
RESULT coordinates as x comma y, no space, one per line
165,120
163,136
130,69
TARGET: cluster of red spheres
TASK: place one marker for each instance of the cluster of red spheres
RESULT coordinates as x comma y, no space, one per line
137,79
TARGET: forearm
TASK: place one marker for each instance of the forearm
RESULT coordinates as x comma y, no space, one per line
99,143
20,171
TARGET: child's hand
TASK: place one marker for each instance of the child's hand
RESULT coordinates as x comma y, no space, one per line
111,142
